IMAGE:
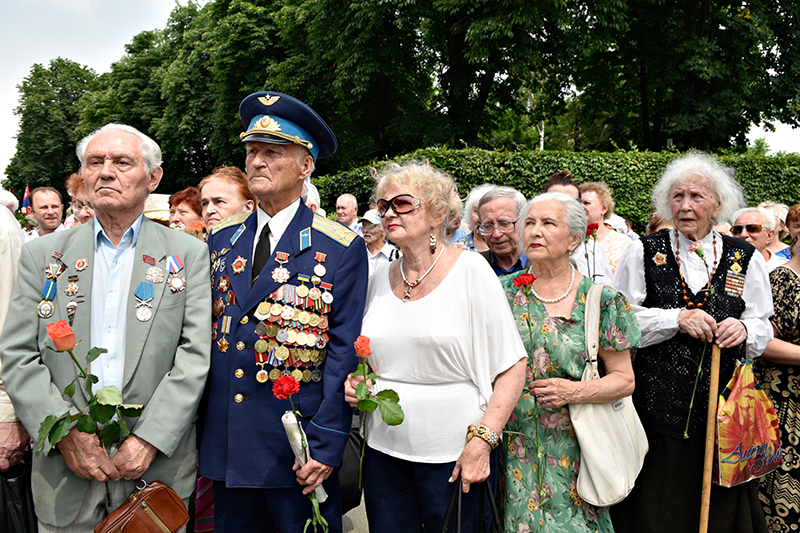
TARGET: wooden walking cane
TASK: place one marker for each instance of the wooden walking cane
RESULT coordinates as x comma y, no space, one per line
711,433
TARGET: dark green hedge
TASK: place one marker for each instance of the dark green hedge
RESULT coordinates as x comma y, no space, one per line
630,174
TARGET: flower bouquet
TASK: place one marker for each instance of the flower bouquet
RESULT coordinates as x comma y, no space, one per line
283,388
104,415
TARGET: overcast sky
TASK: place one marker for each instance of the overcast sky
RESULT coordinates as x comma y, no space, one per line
94,33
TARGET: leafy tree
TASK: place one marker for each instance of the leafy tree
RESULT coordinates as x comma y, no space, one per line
47,135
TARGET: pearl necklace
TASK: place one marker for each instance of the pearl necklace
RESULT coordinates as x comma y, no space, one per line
412,284
554,300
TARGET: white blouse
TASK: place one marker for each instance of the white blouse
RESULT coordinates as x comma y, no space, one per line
441,354
658,325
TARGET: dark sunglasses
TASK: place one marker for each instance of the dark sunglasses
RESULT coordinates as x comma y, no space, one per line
751,228
401,204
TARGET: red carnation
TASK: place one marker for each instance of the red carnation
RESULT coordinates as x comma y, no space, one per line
284,387
524,279
591,228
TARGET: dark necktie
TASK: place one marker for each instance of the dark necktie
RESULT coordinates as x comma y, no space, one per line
262,252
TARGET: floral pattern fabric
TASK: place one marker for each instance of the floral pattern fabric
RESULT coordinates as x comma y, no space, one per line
778,490
556,349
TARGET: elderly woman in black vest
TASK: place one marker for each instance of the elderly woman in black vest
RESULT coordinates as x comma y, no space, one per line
666,278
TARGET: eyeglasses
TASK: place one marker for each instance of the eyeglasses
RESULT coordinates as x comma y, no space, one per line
751,228
77,206
504,226
401,204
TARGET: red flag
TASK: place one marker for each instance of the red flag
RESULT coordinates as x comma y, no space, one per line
26,207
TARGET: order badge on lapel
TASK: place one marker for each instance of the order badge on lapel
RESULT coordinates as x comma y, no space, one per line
176,282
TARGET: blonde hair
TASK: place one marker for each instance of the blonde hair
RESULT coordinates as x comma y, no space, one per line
437,189
603,193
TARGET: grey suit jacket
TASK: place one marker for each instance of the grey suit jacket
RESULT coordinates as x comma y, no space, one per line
166,358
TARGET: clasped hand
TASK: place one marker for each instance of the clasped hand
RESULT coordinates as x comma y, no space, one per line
700,325
89,460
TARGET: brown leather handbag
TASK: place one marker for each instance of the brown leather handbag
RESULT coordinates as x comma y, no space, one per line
152,508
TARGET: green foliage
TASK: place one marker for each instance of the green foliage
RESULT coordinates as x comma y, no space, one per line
631,175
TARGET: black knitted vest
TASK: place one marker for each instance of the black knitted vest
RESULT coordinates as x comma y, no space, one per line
665,372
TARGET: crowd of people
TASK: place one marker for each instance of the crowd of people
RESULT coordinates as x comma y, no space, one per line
206,298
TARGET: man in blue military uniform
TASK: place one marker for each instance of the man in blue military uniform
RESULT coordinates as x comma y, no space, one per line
289,290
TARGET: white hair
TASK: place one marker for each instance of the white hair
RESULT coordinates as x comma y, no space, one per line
573,211
701,169
311,194
778,209
8,199
472,200
151,152
766,214
501,191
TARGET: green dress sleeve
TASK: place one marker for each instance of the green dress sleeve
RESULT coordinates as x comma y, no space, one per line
619,329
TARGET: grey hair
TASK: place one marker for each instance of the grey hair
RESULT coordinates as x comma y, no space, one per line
501,191
8,199
766,214
707,171
778,209
151,152
311,194
472,200
573,211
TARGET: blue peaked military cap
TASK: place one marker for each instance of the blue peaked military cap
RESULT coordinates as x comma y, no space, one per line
277,118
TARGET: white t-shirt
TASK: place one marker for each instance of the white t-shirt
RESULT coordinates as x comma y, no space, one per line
441,355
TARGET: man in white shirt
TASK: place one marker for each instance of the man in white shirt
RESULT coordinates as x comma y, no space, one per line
379,251
756,225
47,210
347,212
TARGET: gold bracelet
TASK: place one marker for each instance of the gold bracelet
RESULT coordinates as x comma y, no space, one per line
483,432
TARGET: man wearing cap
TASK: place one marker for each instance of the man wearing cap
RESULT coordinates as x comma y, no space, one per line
380,252
289,290
135,288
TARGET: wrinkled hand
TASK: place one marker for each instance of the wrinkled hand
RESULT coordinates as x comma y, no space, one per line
554,392
134,457
730,332
13,441
86,457
312,474
473,463
350,385
698,324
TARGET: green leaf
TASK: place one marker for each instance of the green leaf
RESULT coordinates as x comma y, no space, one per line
391,412
93,354
91,379
361,370
101,413
131,410
109,395
60,430
44,430
87,425
390,394
368,405
372,377
110,433
123,426
362,391
69,390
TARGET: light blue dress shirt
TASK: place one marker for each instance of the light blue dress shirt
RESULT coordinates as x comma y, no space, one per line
111,281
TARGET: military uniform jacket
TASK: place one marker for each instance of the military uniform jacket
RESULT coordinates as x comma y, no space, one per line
242,440
166,357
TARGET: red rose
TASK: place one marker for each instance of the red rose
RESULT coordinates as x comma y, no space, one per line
284,387
524,279
62,335
362,346
591,228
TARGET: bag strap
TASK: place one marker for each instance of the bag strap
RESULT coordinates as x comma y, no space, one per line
497,526
591,321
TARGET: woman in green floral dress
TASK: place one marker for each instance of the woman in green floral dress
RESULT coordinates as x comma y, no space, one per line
540,452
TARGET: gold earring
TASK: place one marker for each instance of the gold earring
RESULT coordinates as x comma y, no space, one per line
433,244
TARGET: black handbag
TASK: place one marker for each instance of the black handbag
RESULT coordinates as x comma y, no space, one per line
455,502
349,488
16,501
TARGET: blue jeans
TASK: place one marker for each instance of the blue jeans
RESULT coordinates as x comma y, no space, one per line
406,497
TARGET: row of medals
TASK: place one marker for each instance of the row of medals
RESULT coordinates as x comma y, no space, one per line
287,326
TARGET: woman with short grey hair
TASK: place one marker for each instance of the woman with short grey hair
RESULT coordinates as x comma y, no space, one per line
690,287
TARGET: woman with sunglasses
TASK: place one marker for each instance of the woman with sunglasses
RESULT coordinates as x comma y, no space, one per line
777,371
689,287
443,338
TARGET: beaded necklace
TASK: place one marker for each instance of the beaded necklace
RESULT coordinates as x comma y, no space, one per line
692,305
411,284
554,300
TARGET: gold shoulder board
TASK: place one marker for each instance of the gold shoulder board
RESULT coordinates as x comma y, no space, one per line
334,230
230,221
